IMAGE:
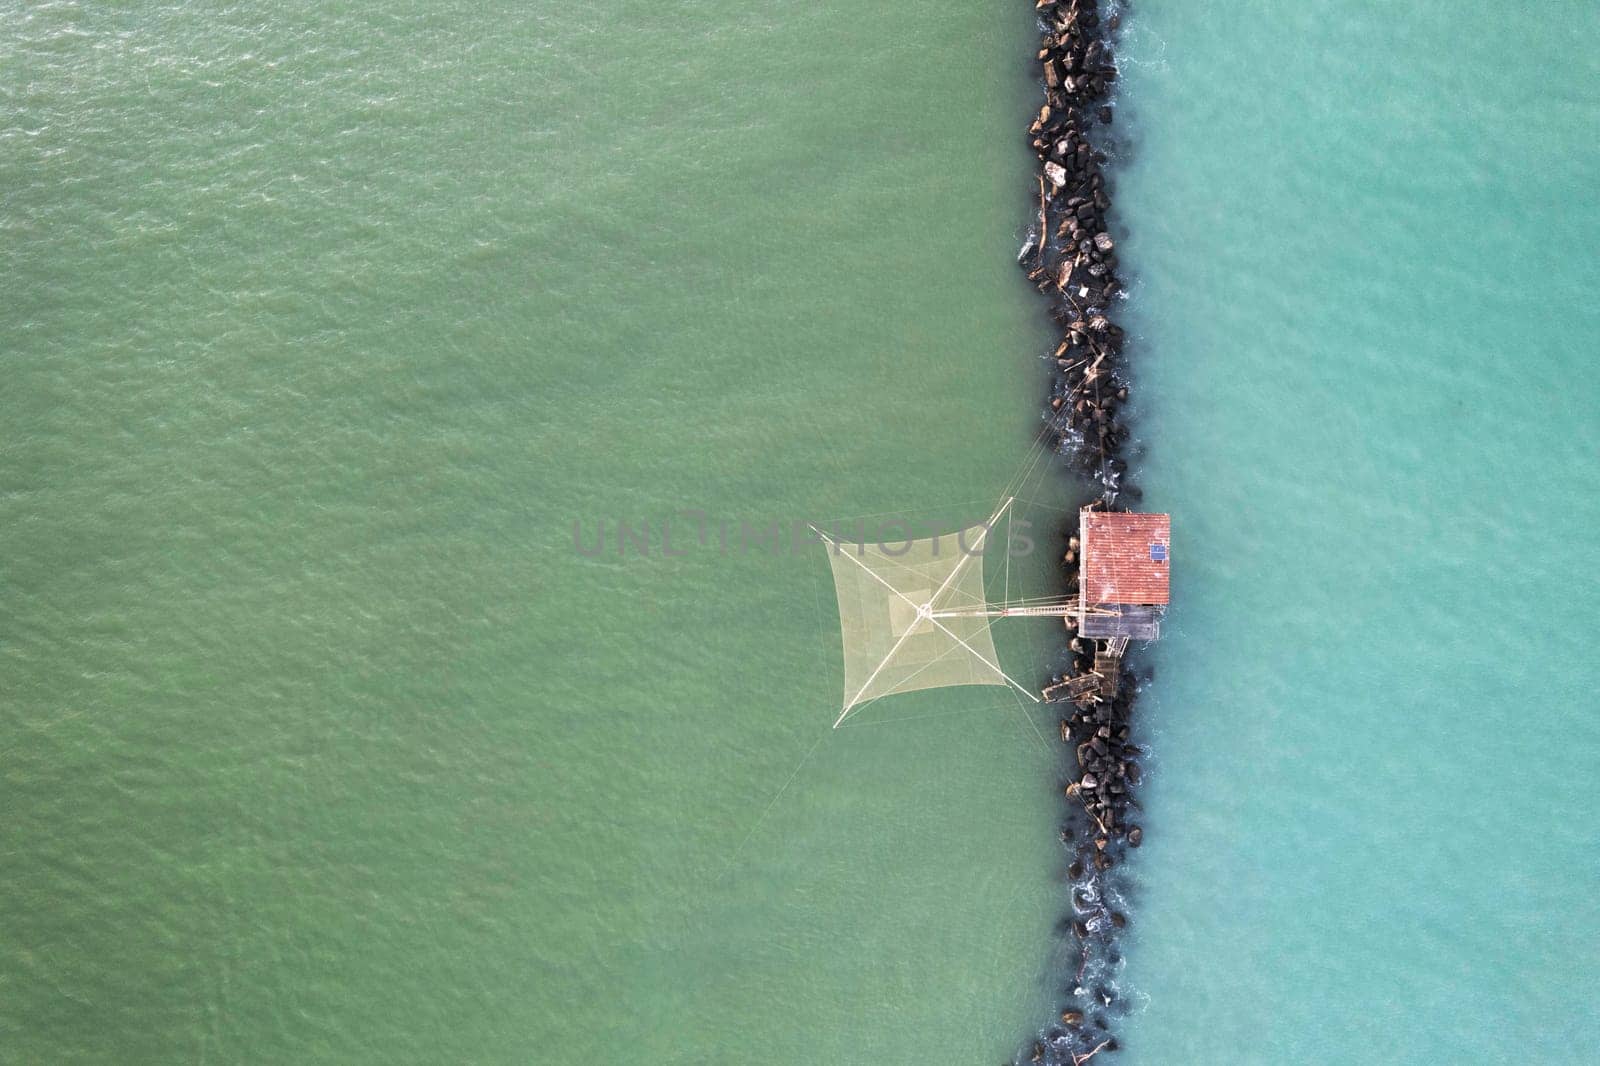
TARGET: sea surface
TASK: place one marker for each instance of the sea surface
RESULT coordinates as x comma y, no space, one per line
324,326
1365,247
334,333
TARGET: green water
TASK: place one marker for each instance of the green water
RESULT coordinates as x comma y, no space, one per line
324,324
323,327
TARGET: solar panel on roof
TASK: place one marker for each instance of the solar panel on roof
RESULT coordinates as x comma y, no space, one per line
1158,553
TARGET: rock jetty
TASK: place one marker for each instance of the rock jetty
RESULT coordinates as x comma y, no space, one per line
1071,257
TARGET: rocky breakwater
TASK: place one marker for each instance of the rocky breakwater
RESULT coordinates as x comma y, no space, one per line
1071,257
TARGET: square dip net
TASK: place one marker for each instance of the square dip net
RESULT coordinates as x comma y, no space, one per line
912,615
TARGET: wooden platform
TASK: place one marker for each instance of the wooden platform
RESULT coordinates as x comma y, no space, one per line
1074,689
1111,620
1097,685
1108,665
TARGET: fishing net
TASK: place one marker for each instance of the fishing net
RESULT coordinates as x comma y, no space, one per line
900,607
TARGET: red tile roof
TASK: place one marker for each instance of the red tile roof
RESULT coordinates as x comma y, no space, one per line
1117,566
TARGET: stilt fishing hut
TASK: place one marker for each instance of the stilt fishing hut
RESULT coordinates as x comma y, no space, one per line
914,615
1124,573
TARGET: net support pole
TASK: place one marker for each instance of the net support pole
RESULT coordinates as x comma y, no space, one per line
1060,610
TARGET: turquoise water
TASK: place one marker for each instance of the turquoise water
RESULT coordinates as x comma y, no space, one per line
321,743
1367,322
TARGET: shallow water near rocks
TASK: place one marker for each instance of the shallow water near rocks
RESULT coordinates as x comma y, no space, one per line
1367,327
